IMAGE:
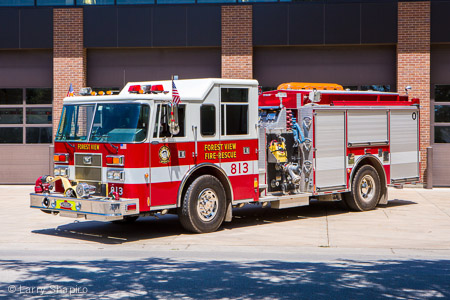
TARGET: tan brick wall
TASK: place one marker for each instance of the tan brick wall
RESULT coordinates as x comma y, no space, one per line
237,41
69,56
413,63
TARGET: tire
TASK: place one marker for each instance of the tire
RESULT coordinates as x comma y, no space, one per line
203,208
366,189
126,220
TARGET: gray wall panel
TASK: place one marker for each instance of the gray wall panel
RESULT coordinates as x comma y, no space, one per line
26,68
352,65
100,26
342,23
134,26
9,28
169,26
19,167
36,28
440,22
372,30
306,24
270,24
440,64
204,26
115,67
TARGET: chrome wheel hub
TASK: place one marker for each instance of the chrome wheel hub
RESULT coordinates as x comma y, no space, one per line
207,204
367,188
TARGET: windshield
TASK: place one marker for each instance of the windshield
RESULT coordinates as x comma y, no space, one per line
75,122
117,123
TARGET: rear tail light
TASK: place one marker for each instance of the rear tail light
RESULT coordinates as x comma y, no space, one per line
61,158
115,160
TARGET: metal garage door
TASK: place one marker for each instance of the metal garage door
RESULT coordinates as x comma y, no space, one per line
346,65
116,67
25,114
440,114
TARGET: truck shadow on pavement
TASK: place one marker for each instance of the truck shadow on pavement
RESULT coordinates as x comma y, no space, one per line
151,228
158,278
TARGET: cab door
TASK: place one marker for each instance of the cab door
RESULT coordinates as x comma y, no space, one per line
169,160
239,139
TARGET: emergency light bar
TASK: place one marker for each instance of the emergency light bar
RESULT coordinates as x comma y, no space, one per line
146,89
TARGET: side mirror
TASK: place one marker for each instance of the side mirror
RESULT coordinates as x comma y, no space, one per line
174,127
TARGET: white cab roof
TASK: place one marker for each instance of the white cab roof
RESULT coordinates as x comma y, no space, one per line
188,89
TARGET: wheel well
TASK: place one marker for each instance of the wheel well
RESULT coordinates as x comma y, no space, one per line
372,161
208,170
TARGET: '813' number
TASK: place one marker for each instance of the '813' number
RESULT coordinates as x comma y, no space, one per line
239,168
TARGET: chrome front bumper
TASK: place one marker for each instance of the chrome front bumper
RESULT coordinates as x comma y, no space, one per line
100,209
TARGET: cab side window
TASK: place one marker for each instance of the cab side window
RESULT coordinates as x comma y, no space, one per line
234,111
208,120
163,117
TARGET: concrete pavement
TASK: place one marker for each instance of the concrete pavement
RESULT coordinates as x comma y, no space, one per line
398,251
415,219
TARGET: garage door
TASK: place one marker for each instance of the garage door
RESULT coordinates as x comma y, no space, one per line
348,66
116,67
440,114
25,115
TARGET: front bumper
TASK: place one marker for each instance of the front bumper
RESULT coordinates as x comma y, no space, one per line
100,209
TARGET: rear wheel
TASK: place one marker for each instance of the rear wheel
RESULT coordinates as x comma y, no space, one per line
203,207
366,188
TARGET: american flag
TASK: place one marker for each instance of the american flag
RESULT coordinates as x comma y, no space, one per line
70,92
175,96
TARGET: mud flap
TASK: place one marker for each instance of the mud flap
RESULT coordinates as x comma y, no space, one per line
229,213
384,196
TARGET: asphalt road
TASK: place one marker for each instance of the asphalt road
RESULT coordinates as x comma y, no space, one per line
398,251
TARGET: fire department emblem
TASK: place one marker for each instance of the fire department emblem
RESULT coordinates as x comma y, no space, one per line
164,155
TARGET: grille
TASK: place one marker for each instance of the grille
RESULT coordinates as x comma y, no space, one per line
88,168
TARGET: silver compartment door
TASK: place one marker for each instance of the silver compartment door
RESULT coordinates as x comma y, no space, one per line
404,144
330,154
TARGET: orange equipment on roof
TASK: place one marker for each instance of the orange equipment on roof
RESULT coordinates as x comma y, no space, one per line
310,86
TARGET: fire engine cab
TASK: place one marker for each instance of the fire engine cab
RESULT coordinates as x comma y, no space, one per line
138,153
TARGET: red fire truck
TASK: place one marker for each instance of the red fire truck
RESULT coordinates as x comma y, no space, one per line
135,153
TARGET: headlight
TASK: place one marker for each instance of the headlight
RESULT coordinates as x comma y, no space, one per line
61,171
116,175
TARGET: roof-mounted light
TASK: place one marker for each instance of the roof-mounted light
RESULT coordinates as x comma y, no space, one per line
156,89
86,91
135,89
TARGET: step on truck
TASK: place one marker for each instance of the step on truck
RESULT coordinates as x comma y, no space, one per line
200,147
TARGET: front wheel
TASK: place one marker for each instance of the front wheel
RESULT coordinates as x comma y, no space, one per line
203,207
366,188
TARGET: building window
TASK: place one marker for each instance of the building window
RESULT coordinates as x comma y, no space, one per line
26,116
373,87
119,2
54,2
17,3
234,111
95,2
441,118
208,120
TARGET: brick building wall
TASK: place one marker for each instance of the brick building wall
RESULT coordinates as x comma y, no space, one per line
237,41
413,63
69,56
